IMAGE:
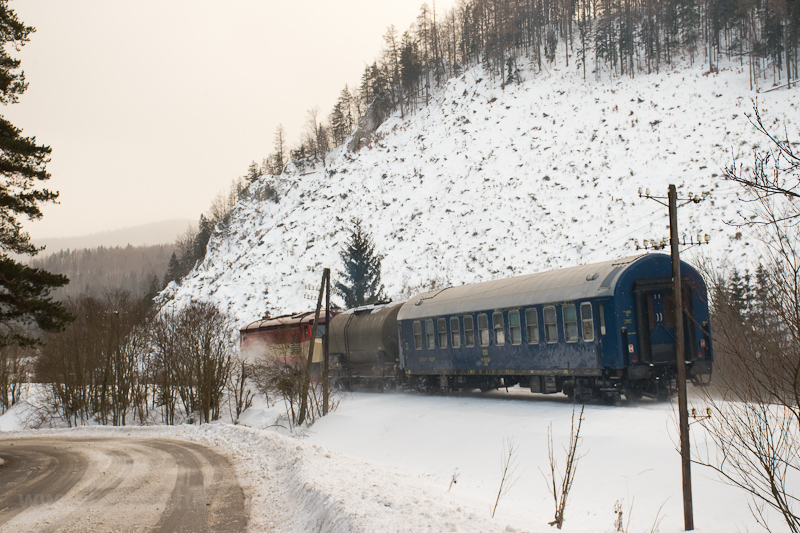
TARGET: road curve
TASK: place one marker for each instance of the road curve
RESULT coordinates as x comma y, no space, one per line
116,484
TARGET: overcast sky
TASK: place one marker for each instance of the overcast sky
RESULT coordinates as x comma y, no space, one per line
153,107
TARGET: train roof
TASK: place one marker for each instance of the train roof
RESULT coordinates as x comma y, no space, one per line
574,283
372,308
285,320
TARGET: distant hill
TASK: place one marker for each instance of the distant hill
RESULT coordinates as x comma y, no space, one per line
163,232
94,270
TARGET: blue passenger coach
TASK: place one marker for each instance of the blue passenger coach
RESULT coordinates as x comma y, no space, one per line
593,332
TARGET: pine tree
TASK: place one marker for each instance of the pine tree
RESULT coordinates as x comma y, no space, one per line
738,292
175,270
25,301
338,124
254,172
410,67
152,289
361,284
205,228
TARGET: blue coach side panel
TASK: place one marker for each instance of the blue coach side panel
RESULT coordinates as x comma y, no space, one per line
575,321
558,320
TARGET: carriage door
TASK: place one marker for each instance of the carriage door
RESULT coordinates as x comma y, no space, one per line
655,316
655,313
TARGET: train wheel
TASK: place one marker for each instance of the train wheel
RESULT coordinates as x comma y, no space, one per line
633,393
633,396
568,388
610,398
662,393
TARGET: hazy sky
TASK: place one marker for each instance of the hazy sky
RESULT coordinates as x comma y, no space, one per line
153,107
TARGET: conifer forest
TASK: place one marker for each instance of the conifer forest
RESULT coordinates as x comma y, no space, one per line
602,38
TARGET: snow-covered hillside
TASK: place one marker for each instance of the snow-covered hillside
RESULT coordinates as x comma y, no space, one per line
489,182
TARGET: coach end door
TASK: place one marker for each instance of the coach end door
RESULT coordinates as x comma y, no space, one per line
655,309
655,318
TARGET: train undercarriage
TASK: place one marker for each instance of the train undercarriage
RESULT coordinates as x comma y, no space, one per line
604,387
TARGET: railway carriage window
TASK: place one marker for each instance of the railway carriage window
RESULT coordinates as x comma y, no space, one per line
587,322
417,335
499,328
441,327
602,319
550,325
455,334
429,336
483,329
532,325
514,328
570,323
469,332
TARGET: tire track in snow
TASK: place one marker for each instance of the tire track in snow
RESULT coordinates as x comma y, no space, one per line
81,484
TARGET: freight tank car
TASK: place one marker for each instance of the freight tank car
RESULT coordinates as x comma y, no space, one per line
363,347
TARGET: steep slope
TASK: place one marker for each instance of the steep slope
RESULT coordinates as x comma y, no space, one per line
487,182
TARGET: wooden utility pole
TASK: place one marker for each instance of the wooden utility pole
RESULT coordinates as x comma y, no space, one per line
301,416
680,361
680,357
325,345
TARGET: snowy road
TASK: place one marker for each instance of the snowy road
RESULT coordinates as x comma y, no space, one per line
86,484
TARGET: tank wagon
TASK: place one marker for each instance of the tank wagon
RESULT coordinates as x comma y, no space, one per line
593,332
364,346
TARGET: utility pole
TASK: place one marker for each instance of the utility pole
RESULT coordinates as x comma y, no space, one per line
301,416
680,357
680,360
325,348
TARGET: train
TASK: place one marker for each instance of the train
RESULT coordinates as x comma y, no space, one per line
284,338
595,332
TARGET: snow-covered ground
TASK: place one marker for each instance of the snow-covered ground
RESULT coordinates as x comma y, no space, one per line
385,462
488,182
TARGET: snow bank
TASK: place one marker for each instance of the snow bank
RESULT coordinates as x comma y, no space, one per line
385,462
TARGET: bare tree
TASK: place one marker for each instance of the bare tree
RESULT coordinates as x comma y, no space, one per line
561,484
775,172
163,332
14,368
225,201
311,135
754,422
281,375
194,350
240,397
94,367
283,378
279,155
391,58
508,469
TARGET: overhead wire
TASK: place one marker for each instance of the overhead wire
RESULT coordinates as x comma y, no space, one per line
648,216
